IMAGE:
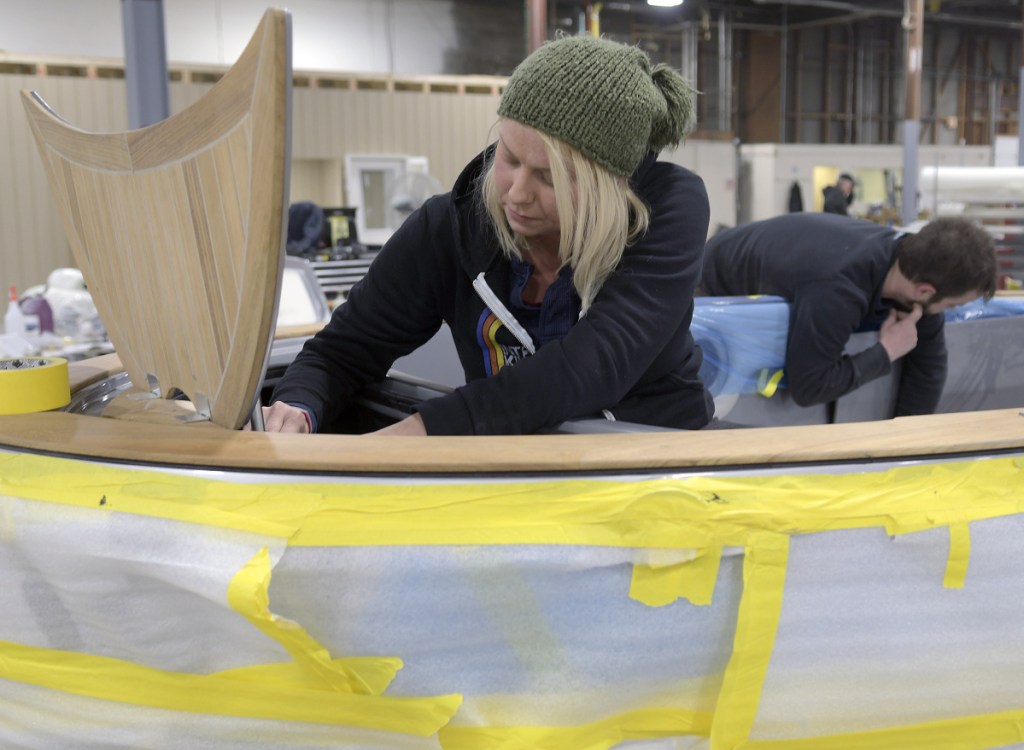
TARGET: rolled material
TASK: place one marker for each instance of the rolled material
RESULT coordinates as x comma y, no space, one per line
943,181
31,384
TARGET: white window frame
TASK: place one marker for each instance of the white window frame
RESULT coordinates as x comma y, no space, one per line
394,167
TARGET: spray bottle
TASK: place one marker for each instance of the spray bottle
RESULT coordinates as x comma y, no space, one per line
14,320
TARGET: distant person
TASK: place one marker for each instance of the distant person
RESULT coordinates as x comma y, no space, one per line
838,197
796,198
305,228
846,275
564,261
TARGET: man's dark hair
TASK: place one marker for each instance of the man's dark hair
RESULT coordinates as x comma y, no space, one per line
846,176
954,255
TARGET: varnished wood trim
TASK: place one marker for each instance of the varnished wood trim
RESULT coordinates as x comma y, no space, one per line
204,445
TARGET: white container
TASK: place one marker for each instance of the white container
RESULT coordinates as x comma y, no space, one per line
14,320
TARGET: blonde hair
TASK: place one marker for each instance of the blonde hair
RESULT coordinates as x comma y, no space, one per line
598,213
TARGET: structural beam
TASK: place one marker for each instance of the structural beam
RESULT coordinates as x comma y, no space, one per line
913,24
1020,98
145,62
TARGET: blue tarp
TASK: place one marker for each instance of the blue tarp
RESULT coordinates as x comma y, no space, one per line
744,338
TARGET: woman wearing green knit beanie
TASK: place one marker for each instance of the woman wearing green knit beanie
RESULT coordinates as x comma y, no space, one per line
563,261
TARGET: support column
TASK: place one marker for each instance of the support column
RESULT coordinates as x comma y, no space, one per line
1020,97
913,24
593,11
724,72
145,62
537,23
783,73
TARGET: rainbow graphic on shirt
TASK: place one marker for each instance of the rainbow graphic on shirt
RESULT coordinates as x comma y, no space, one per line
496,354
486,336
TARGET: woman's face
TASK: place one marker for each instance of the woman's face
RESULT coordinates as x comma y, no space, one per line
522,175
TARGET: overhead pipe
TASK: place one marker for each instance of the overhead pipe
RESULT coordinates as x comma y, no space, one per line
833,21
854,11
859,10
829,4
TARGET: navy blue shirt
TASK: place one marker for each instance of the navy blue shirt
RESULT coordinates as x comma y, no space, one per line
552,319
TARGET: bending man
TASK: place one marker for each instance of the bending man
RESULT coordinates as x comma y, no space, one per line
846,275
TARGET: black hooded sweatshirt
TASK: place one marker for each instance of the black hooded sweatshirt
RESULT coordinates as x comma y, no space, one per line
631,354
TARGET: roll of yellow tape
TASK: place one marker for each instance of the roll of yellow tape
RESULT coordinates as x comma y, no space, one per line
29,384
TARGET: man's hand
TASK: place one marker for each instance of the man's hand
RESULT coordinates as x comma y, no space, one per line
898,334
409,426
282,417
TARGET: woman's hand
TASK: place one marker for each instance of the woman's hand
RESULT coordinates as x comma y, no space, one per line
282,417
412,425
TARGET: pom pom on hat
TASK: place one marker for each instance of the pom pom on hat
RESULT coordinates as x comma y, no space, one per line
669,128
601,97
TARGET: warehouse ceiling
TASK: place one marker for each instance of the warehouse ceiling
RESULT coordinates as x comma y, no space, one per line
778,13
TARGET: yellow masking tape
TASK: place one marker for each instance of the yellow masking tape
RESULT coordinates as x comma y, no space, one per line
959,556
757,512
764,578
657,583
30,384
982,732
599,735
697,512
248,595
295,675
768,384
220,694
90,485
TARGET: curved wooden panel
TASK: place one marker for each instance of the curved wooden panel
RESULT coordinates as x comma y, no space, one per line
179,227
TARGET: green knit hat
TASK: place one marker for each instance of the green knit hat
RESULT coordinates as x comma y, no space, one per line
601,97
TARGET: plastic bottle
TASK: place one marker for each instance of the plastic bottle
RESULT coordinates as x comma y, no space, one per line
14,320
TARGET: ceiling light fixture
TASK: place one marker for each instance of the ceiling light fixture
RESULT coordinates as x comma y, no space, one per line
665,3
